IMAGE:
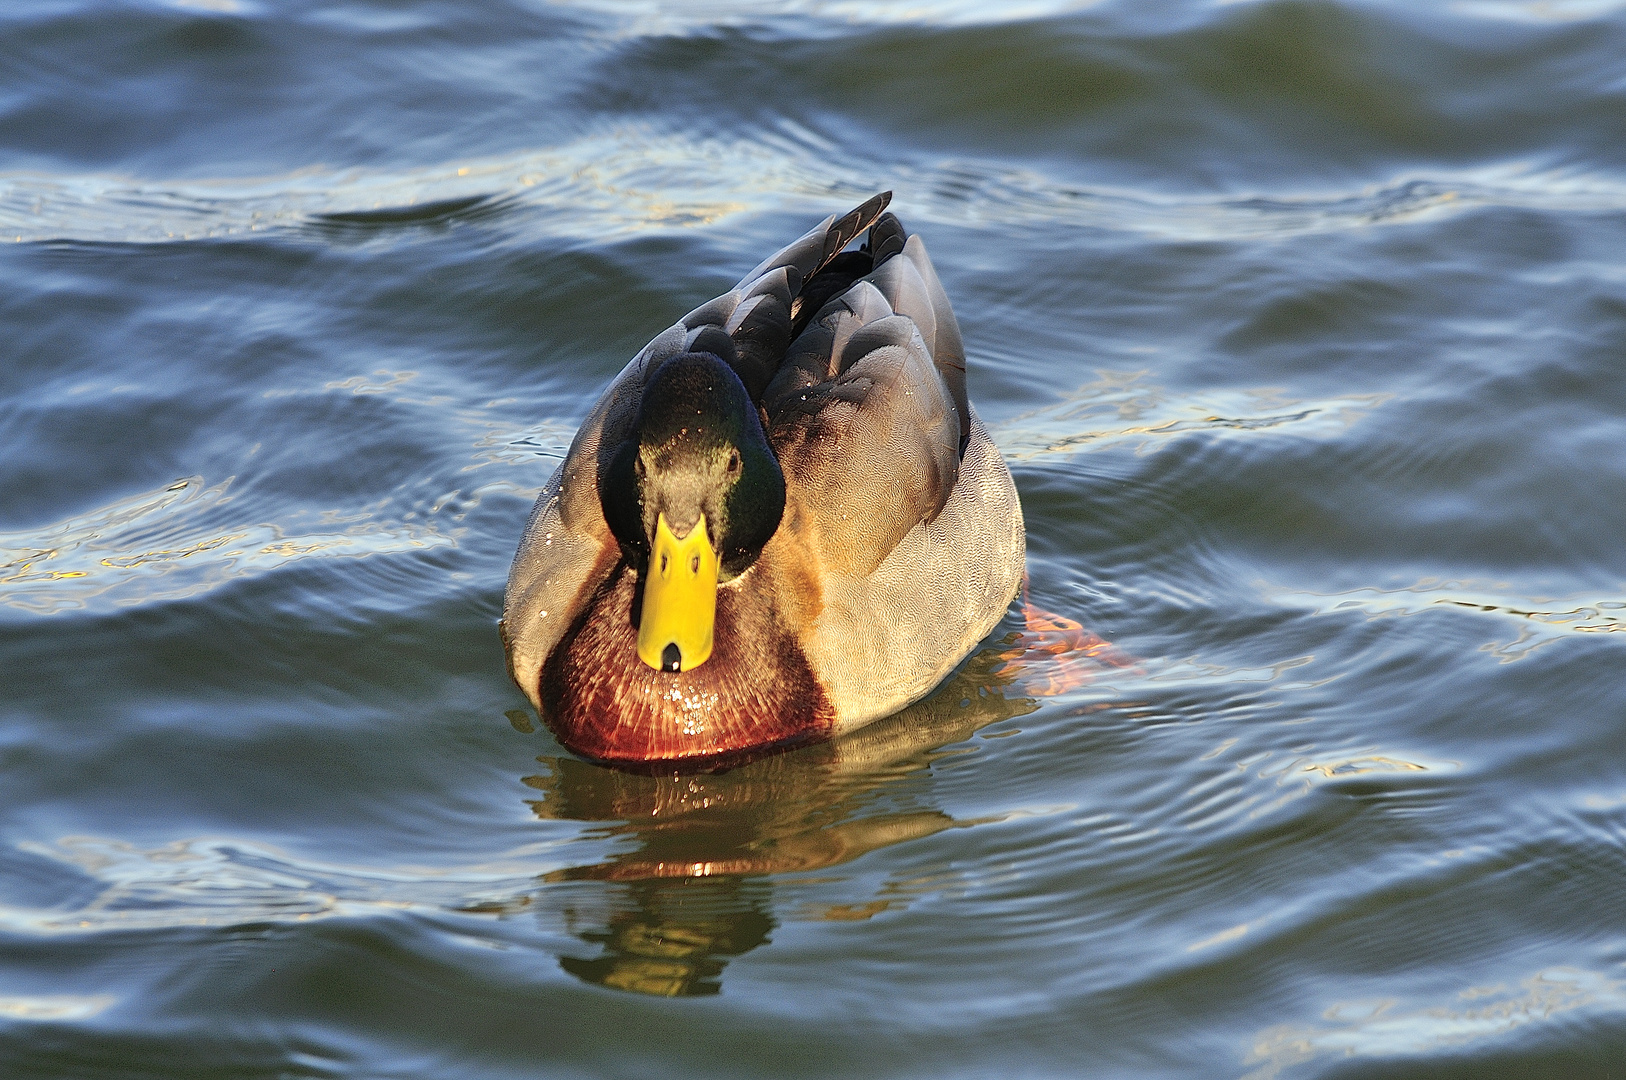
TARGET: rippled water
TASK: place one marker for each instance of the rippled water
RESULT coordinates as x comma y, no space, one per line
1302,325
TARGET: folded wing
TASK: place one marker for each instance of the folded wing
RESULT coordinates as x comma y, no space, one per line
868,411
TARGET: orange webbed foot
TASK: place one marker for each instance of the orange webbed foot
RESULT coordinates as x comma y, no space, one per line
1055,654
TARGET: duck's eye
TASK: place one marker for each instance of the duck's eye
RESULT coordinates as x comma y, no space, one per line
733,462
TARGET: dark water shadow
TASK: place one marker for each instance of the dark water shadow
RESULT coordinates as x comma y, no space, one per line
366,224
691,885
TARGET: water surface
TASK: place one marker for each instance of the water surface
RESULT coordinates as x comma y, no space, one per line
1302,325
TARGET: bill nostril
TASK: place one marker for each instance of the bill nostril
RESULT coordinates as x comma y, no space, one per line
671,657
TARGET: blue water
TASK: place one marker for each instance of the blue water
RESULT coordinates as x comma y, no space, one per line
1301,324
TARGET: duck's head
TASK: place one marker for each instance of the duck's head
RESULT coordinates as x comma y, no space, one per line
693,494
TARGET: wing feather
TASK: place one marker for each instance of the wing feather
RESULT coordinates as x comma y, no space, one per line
874,443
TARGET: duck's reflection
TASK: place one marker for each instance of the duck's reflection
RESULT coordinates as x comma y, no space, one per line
693,882
674,935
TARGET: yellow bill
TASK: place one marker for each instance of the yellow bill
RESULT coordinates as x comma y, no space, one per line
680,599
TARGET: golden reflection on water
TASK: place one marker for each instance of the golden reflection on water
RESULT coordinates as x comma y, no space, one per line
699,849
633,179
180,541
1540,621
58,1007
1125,406
1379,1029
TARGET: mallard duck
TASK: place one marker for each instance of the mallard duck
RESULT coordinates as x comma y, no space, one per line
782,520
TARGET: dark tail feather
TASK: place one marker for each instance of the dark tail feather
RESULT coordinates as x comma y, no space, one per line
848,228
886,239
837,272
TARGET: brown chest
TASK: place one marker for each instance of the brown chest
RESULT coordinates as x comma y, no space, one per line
754,695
